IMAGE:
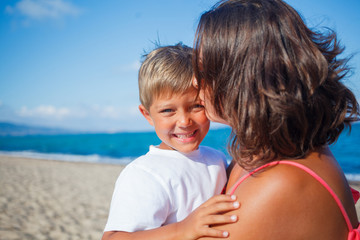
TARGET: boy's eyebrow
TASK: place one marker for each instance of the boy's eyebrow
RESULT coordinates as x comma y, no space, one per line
170,104
163,105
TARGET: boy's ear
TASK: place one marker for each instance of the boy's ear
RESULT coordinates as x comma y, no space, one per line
146,114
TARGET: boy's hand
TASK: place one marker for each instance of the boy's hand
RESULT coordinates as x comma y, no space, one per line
198,223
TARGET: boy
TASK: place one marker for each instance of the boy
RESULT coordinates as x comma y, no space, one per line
160,189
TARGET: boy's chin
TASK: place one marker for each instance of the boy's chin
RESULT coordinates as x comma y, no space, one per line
182,149
186,149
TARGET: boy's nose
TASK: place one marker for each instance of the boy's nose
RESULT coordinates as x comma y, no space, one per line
184,121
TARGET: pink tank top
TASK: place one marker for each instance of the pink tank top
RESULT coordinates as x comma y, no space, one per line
354,234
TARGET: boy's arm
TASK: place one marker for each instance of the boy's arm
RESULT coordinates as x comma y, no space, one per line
138,201
194,226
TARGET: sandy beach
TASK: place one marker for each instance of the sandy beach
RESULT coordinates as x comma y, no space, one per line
42,199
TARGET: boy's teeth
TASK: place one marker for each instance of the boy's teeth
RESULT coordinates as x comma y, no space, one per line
183,136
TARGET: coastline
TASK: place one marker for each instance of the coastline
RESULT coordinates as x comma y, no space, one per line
49,199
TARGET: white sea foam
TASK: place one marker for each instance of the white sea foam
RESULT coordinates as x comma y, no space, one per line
353,177
94,158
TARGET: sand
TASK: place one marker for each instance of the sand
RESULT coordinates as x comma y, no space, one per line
42,199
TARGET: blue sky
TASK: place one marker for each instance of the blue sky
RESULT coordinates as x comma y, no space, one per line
73,64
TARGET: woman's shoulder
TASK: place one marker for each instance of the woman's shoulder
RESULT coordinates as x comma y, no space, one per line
279,181
282,198
298,176
292,179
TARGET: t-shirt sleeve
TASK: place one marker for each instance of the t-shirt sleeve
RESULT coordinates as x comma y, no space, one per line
139,202
221,158
224,160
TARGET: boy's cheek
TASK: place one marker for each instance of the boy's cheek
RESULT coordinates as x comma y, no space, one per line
204,119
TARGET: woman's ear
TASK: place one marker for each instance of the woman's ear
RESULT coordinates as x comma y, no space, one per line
146,114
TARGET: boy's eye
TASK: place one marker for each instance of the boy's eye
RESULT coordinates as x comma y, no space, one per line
198,106
166,110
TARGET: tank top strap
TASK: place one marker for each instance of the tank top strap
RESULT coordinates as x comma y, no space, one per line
251,173
354,232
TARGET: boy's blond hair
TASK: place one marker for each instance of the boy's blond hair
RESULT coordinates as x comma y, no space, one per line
165,70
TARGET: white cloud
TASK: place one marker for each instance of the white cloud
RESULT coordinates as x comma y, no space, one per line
134,111
134,66
81,112
46,111
43,9
107,112
113,112
110,112
97,117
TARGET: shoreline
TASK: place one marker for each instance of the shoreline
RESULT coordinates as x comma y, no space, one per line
52,199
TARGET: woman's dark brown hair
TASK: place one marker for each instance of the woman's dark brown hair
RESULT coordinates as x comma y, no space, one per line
276,82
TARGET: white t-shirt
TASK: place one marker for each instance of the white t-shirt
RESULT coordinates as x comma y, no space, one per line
164,186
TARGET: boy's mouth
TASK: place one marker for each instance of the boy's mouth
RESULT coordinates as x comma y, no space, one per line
185,136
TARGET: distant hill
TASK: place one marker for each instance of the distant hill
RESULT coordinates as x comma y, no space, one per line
12,129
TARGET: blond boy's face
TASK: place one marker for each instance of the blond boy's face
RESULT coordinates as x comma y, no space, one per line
179,120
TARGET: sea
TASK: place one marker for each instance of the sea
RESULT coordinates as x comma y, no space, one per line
122,148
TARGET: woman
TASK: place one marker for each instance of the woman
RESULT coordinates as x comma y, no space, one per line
277,84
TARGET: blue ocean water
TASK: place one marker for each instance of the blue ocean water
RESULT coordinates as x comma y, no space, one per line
122,148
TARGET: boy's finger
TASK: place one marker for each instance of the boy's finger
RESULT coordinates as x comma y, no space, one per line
219,198
211,232
220,207
220,219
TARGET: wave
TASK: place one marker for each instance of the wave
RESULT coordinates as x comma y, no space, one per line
93,158
353,177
